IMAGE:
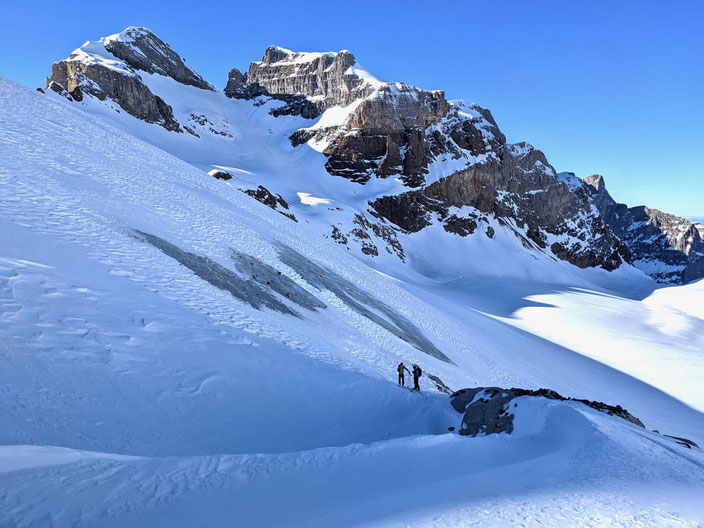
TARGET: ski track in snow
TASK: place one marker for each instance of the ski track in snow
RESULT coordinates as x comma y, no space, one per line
171,400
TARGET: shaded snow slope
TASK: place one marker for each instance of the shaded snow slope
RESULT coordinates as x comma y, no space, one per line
565,465
111,349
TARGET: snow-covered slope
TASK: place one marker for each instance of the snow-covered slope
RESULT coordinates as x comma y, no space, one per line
190,353
563,466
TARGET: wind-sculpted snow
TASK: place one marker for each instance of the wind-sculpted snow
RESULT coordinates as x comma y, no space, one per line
360,301
564,465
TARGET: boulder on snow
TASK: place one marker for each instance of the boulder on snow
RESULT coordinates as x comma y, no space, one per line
487,410
220,175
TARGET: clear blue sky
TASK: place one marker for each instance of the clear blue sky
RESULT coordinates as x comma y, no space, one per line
614,87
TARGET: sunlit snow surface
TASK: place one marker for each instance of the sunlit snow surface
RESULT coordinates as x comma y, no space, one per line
137,393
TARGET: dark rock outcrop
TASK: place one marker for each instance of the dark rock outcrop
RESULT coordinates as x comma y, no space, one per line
369,235
237,85
109,68
397,130
487,410
220,175
327,78
75,95
386,135
667,247
143,50
521,189
125,88
274,201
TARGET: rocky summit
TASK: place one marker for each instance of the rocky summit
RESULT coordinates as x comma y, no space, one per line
667,247
447,163
109,68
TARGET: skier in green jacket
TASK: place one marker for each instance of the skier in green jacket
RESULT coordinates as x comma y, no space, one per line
401,376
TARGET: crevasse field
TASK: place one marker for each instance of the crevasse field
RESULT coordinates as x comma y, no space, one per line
145,383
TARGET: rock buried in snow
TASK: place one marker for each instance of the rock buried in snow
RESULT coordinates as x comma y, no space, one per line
220,175
275,201
487,410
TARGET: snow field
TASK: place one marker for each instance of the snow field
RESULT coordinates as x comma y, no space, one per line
169,401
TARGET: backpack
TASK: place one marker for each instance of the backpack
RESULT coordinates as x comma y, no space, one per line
420,372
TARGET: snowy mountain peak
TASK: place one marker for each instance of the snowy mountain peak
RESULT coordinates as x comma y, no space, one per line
327,78
115,68
446,163
143,50
130,34
282,55
140,49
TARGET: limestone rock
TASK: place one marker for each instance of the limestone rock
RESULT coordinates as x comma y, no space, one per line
521,189
667,247
237,85
109,68
125,88
487,410
328,78
143,50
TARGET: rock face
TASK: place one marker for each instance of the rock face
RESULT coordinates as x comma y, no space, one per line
451,161
108,68
487,410
393,130
518,187
236,85
385,136
668,248
143,50
125,88
309,83
274,201
328,79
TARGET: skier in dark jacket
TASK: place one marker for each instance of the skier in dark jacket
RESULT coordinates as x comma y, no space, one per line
417,373
401,376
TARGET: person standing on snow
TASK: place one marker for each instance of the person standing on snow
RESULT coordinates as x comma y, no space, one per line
417,373
401,375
